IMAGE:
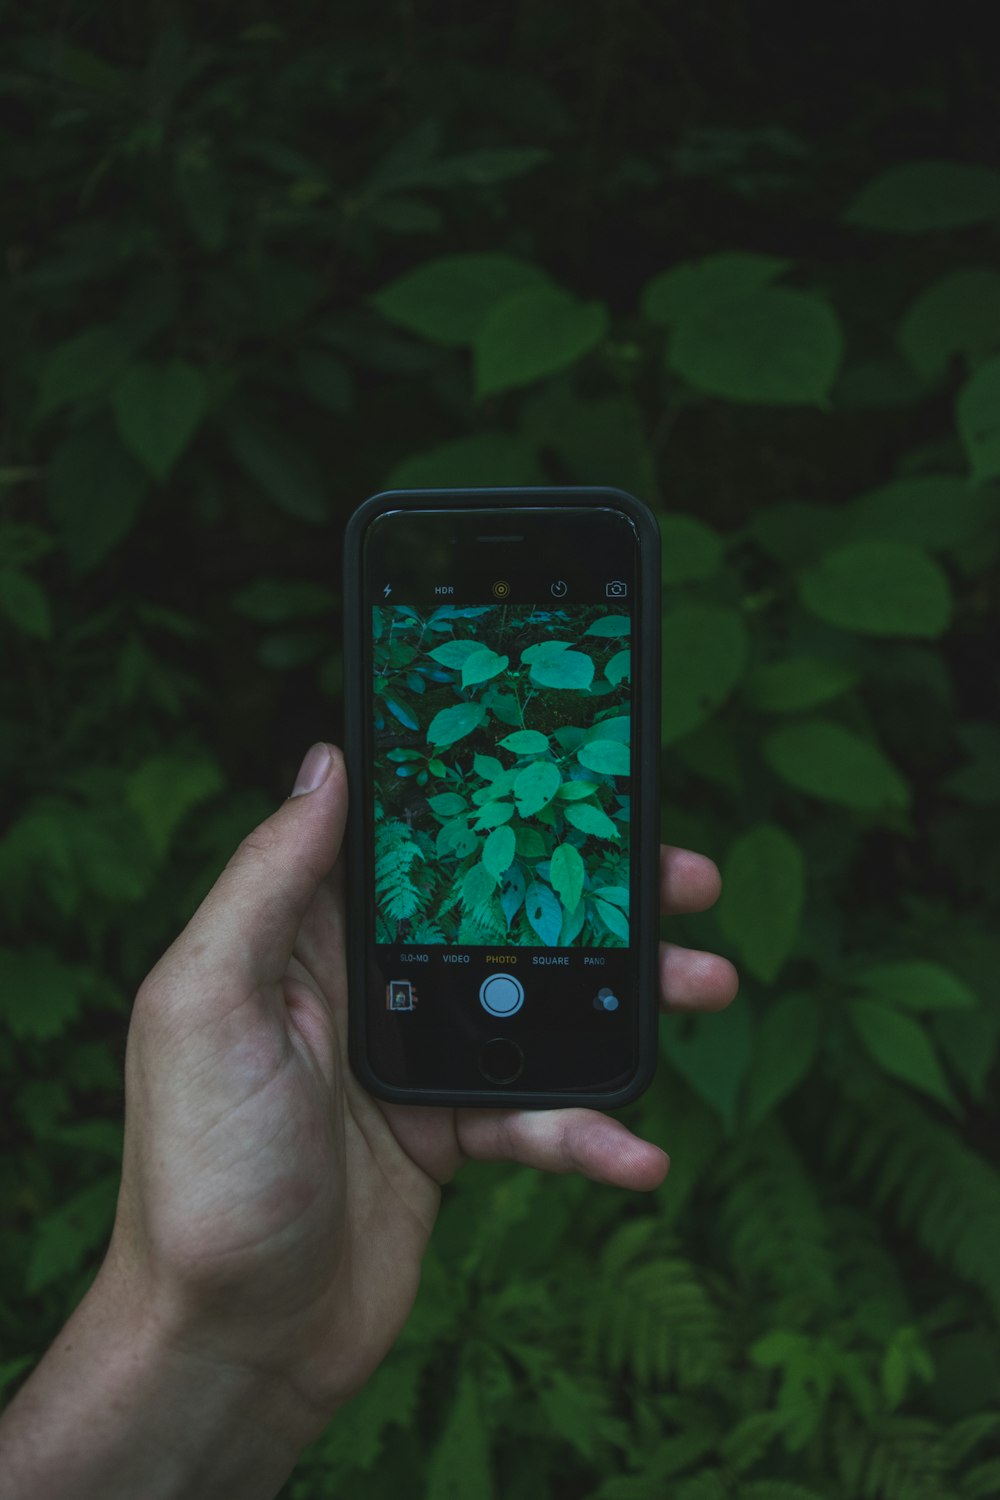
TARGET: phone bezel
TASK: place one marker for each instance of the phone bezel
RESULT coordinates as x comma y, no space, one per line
645,824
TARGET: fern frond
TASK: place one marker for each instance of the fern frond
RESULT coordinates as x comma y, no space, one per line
903,1459
960,1440
659,1322
710,1484
982,1482
777,1489
938,1188
773,1226
425,930
395,851
745,1444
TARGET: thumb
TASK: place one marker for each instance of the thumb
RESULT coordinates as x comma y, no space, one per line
247,925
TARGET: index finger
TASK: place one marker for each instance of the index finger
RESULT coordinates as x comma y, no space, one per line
688,881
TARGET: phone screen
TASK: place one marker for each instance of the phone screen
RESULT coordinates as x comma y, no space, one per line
500,651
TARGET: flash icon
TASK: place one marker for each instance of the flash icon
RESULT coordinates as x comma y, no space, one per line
387,591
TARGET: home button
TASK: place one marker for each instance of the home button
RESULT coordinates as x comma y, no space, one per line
501,1060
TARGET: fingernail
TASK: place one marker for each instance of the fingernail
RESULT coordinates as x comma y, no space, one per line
312,770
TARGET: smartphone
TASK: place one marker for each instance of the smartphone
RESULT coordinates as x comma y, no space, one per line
502,712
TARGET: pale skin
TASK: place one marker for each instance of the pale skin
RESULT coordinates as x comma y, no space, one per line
273,1215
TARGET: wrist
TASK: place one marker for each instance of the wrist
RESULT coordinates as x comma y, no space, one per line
121,1406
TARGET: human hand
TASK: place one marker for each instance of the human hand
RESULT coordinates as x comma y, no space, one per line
272,1214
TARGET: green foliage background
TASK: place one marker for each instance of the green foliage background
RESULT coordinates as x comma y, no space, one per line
262,261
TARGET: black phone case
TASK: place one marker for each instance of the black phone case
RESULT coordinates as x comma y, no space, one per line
646,820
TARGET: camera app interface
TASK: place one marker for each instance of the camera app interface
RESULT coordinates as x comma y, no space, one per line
501,699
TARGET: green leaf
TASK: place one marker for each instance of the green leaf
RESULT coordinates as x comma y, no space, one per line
544,913
796,684
83,366
784,1489
480,458
484,167
901,1047
535,786
447,299
703,285
447,804
525,742
491,814
498,851
610,625
455,653
566,874
278,466
487,766
879,588
617,727
959,314
532,333
325,379
904,1356
745,1444
459,1463
406,216
562,669
613,918
592,820
574,791
784,1051
39,995
25,603
158,409
275,600
478,885
600,440
796,534
397,709
481,666
530,844
713,1052
691,550
616,894
22,545
705,650
769,346
763,886
275,294
916,984
578,1413
455,838
387,1400
203,197
978,780
977,412
452,724
166,786
619,668
498,786
927,195
833,763
607,757
928,510
542,649
202,194
95,491
66,1236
